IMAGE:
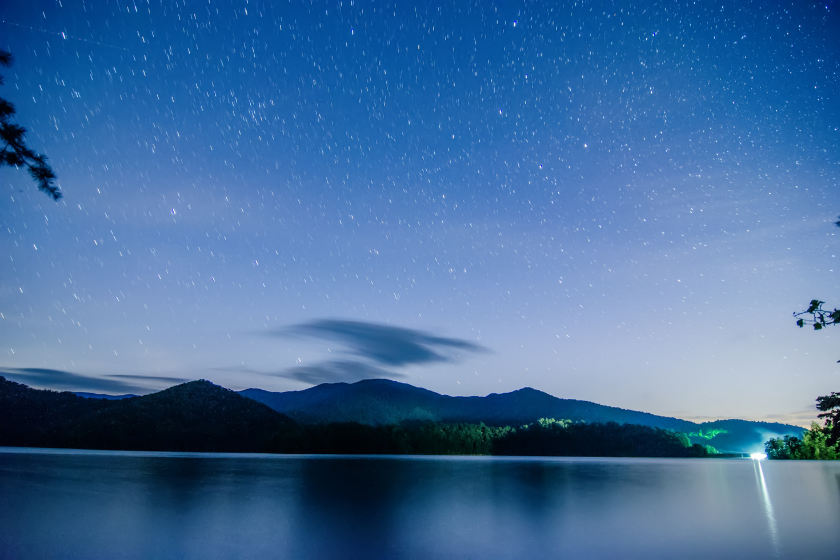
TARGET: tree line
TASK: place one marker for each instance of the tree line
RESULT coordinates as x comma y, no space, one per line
547,437
818,443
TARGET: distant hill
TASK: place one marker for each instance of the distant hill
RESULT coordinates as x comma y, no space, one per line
377,402
745,435
102,396
194,416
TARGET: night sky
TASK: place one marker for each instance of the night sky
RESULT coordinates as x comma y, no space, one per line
611,201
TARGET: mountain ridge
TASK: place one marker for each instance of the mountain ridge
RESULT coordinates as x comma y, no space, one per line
193,416
370,416
104,396
378,402
302,404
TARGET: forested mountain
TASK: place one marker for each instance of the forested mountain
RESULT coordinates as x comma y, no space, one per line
382,402
194,416
375,416
379,402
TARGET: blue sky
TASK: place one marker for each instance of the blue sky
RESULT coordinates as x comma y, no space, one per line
611,202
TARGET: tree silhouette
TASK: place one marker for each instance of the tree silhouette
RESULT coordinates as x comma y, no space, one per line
15,152
830,407
816,315
819,317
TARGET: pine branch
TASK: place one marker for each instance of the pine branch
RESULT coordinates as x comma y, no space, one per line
15,152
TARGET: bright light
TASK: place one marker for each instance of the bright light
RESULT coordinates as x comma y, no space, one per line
758,456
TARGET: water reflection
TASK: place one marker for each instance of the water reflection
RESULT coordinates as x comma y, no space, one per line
351,501
768,509
163,506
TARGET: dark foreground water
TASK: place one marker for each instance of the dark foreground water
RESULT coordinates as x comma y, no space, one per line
83,504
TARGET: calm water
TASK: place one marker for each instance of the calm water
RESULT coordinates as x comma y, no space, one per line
78,504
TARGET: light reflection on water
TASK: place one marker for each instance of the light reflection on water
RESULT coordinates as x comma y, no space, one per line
160,505
768,510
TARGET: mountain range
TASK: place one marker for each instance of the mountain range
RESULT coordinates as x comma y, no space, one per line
369,416
378,402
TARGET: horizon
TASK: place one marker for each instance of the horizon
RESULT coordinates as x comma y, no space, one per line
239,391
623,207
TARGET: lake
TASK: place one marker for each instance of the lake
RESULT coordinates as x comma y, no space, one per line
92,504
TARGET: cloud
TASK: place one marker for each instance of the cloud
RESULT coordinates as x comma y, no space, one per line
335,372
238,369
57,379
384,344
151,378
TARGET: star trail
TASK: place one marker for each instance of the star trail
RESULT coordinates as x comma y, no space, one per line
611,201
